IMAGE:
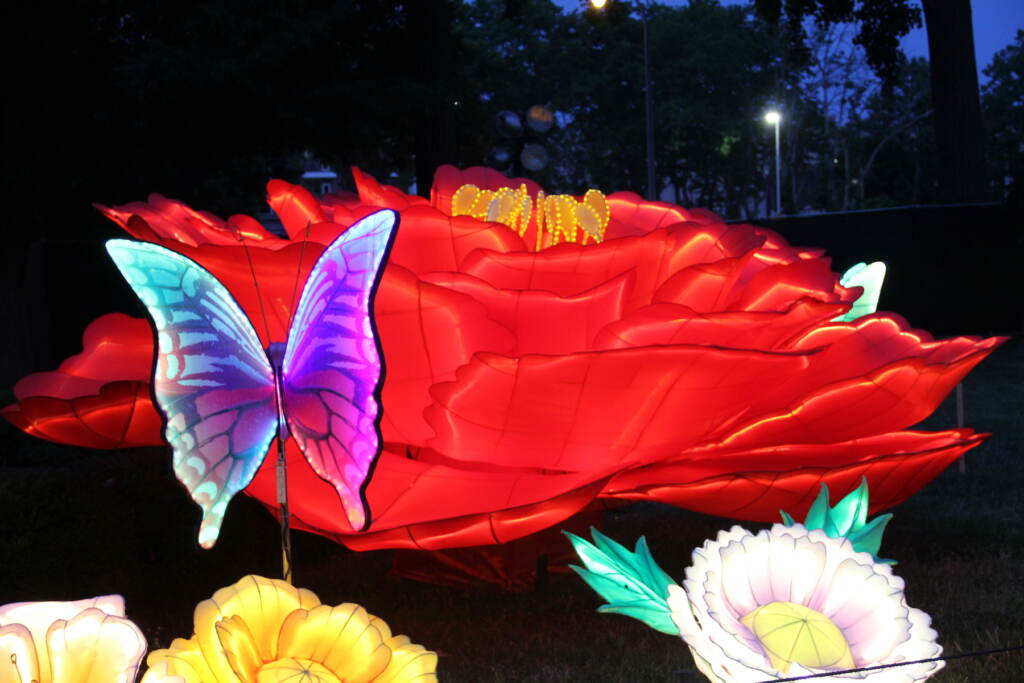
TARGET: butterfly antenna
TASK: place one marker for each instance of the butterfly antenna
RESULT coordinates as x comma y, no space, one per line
252,271
298,272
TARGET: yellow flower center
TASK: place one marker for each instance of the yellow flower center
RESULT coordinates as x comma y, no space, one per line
558,217
790,633
294,670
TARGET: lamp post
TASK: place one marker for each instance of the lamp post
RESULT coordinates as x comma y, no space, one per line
645,8
774,117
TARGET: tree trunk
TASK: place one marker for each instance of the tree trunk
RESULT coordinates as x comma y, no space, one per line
433,66
959,133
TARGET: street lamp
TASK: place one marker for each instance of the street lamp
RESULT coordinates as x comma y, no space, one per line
645,8
773,117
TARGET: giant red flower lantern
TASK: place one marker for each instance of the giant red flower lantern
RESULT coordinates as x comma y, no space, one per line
544,352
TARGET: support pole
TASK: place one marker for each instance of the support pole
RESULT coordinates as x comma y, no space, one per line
282,502
961,463
652,193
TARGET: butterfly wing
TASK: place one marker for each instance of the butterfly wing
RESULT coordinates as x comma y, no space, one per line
332,364
212,379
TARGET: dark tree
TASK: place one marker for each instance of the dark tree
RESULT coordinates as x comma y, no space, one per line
959,131
432,60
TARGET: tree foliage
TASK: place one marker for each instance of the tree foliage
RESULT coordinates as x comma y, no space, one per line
881,24
1003,103
203,101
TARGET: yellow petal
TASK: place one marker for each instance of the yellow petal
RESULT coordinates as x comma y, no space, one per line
409,662
262,603
94,647
239,648
165,672
183,662
341,638
18,661
791,632
289,670
382,627
38,616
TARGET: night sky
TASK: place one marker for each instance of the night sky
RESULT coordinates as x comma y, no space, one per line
996,22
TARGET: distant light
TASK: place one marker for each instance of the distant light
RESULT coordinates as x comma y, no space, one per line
534,157
539,118
598,4
772,117
509,124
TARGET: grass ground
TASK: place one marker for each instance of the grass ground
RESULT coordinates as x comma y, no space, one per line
80,523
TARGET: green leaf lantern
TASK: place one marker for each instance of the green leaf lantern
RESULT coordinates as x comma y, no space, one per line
631,582
848,519
870,277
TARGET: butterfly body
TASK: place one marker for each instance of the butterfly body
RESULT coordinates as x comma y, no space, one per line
225,398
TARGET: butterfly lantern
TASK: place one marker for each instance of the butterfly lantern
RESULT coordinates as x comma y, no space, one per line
224,398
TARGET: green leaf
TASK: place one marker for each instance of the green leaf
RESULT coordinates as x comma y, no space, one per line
848,519
868,539
657,619
852,511
632,582
817,516
870,277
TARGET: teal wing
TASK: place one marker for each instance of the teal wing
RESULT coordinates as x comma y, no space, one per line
212,379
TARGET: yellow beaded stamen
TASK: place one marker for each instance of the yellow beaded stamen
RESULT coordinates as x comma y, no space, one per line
559,218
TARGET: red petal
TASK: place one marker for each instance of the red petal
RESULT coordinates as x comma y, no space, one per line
598,410
755,484
120,415
674,324
448,179
387,196
421,505
568,269
429,241
295,206
426,332
632,215
114,347
890,398
169,219
543,322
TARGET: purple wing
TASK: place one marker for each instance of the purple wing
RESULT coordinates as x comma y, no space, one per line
332,364
212,380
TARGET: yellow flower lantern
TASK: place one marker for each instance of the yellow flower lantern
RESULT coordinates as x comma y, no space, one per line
82,641
267,631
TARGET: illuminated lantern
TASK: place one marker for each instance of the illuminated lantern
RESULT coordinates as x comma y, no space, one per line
788,602
225,399
848,519
783,603
269,631
85,641
543,351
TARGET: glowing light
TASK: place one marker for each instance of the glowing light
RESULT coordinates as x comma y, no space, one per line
598,4
773,117
789,602
786,602
69,642
557,218
525,382
792,633
848,519
267,630
870,278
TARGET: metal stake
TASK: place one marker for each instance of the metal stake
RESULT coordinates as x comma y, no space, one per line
961,463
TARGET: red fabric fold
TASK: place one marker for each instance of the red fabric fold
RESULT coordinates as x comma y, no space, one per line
681,360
